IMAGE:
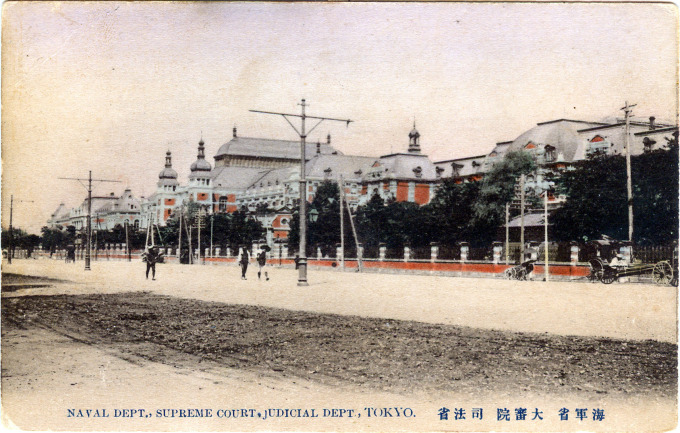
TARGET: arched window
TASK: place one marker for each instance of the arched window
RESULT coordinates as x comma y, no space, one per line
136,224
223,204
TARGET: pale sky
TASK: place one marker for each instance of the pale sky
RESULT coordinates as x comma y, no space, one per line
111,86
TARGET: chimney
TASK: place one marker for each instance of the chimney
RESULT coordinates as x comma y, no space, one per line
234,132
318,147
652,127
328,139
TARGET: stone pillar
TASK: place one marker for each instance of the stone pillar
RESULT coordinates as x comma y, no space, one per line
434,251
207,253
464,250
497,252
574,253
626,252
196,251
285,251
338,252
228,252
360,251
382,249
407,253
218,250
254,249
319,256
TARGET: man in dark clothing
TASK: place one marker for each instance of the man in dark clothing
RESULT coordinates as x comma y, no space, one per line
261,262
151,257
244,262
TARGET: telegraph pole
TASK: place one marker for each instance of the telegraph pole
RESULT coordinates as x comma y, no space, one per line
521,231
89,210
629,183
302,263
10,239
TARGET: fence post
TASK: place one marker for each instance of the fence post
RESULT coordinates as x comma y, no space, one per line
407,253
464,250
285,251
574,253
319,256
434,251
381,251
497,251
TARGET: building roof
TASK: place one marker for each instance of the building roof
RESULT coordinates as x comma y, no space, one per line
345,165
412,166
561,134
530,220
235,178
269,148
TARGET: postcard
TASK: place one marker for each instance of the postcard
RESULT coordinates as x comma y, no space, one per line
257,216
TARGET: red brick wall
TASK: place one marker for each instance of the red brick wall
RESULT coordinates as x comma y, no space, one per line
402,191
169,201
422,193
202,196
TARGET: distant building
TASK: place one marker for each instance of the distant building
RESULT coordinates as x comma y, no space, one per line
106,213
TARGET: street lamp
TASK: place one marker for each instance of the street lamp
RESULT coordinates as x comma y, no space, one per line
313,215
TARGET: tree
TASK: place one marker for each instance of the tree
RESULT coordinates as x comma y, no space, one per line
498,189
597,204
451,210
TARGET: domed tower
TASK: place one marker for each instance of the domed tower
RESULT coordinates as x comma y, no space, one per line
201,164
414,140
167,178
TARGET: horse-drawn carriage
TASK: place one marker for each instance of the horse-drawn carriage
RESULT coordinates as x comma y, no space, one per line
662,272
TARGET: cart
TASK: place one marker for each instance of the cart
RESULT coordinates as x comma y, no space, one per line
520,272
662,272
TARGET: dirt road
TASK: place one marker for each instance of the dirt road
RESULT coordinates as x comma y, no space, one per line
109,346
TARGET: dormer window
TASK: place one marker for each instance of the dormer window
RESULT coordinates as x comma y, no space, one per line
418,172
439,172
549,153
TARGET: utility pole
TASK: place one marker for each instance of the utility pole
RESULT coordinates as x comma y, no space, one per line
211,234
179,246
507,233
342,224
127,240
89,210
521,207
545,218
10,238
9,249
302,261
629,183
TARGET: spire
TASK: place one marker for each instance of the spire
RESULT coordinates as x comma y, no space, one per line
168,159
234,131
414,140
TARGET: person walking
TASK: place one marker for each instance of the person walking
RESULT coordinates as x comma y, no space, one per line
244,262
151,257
261,262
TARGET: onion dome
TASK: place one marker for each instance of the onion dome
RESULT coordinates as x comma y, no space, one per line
201,164
168,172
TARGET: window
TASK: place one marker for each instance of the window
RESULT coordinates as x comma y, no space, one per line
549,153
223,204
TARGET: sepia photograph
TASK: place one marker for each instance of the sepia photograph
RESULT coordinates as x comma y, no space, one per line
339,217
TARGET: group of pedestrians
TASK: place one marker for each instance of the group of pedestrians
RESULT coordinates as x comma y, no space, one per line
244,260
153,255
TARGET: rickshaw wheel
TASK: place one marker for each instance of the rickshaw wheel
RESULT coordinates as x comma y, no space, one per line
608,277
662,273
